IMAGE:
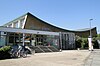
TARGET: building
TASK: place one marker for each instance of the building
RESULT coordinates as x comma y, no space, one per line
30,30
86,32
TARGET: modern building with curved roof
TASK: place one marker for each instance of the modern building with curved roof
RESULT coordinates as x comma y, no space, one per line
32,22
28,29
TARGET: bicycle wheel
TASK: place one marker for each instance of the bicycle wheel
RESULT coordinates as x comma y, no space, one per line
24,54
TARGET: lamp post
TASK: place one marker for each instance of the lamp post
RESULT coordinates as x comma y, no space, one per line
90,27
90,38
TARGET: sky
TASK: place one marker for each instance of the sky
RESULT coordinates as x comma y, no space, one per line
67,14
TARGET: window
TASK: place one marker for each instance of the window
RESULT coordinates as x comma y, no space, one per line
21,22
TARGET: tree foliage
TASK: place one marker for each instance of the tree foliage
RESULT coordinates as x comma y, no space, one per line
98,37
83,42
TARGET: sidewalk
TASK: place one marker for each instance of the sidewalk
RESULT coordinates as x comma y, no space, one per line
64,58
93,59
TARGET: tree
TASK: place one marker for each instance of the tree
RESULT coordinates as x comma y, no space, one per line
81,42
78,42
98,37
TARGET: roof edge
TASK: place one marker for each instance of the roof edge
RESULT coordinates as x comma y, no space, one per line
28,13
15,19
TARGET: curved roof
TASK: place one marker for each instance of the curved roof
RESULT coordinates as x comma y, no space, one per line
47,23
78,30
83,30
65,30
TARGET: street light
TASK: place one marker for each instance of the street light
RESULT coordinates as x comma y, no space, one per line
90,27
90,38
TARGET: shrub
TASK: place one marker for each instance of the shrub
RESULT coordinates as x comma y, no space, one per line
78,42
95,43
81,42
84,44
4,52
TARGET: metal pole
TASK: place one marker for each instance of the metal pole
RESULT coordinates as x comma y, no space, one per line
90,37
23,39
60,41
90,27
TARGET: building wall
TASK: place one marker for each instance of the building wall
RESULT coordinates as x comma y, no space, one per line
36,24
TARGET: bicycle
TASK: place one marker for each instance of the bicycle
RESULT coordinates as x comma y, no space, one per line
19,52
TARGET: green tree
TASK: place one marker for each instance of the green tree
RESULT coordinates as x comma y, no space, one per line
78,41
98,37
94,41
81,42
84,44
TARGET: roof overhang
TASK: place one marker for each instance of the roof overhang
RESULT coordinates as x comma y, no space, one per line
17,30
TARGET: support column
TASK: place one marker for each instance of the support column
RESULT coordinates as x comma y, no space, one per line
7,39
19,38
14,38
30,39
60,41
23,39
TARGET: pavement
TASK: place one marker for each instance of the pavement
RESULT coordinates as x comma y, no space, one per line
64,58
93,59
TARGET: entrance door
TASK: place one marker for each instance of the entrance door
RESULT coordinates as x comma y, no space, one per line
39,40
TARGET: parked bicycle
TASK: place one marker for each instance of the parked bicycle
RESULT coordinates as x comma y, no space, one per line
18,51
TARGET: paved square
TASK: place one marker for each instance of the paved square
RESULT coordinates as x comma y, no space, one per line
64,58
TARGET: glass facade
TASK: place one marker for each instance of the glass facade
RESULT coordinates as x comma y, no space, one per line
45,40
2,38
12,38
68,40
